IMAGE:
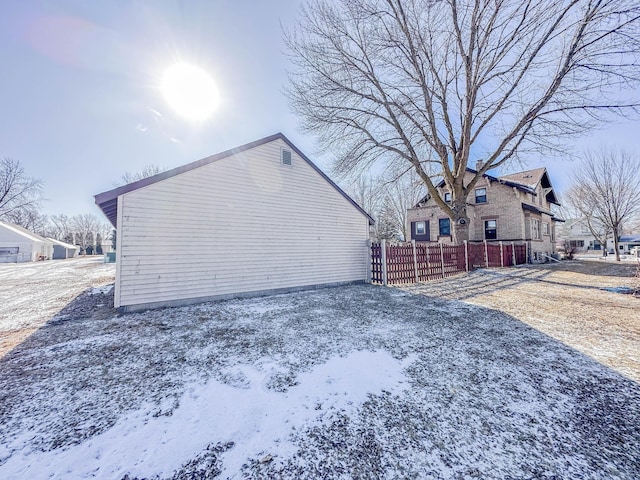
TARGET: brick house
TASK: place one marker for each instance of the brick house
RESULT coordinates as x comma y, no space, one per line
510,208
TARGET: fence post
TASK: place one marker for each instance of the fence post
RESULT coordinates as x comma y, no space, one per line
466,255
428,246
513,253
415,260
501,255
486,254
383,252
442,258
369,262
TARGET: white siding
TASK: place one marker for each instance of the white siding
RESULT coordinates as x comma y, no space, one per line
242,224
30,247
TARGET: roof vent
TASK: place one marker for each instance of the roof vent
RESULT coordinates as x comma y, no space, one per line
286,157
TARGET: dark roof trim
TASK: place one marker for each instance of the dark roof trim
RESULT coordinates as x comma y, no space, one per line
629,238
533,208
108,201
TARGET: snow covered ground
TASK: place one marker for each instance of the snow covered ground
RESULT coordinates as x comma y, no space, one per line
33,292
352,382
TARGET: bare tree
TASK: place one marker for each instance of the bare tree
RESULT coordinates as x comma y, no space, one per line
85,227
429,84
401,193
605,190
59,227
368,193
20,195
147,171
29,218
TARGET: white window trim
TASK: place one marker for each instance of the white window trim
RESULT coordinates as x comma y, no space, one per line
535,229
476,194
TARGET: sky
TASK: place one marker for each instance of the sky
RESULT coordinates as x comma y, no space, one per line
81,101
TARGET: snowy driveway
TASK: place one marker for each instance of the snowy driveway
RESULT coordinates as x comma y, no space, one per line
32,293
355,382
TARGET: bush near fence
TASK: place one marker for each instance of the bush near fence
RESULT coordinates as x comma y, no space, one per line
418,262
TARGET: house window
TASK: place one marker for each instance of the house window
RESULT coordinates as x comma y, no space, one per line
286,157
444,227
420,231
535,229
481,195
490,229
545,228
447,197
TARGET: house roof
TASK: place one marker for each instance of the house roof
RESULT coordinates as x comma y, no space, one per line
108,201
629,238
526,181
33,237
533,178
530,178
533,208
519,186
63,244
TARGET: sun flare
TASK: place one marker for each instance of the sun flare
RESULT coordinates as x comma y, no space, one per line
190,91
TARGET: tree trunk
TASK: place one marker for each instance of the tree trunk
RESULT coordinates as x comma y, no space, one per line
459,222
615,244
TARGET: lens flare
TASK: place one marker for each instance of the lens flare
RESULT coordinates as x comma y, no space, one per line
190,92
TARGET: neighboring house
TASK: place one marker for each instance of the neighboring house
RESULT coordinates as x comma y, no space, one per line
257,219
62,250
576,235
627,242
510,208
17,244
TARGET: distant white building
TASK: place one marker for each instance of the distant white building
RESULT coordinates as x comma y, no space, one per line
62,250
575,234
18,244
627,242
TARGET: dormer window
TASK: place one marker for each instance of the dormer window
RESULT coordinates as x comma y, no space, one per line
481,195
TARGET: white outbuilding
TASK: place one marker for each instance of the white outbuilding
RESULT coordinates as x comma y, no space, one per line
17,244
254,220
62,250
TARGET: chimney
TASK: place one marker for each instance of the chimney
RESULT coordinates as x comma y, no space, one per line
479,165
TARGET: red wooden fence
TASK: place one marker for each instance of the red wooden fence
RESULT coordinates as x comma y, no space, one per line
411,262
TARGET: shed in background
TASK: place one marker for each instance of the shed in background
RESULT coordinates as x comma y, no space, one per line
62,250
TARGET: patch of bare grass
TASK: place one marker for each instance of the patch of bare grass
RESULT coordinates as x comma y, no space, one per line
565,301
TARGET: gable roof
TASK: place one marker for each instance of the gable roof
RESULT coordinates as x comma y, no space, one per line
23,232
526,181
533,178
62,244
529,178
108,201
